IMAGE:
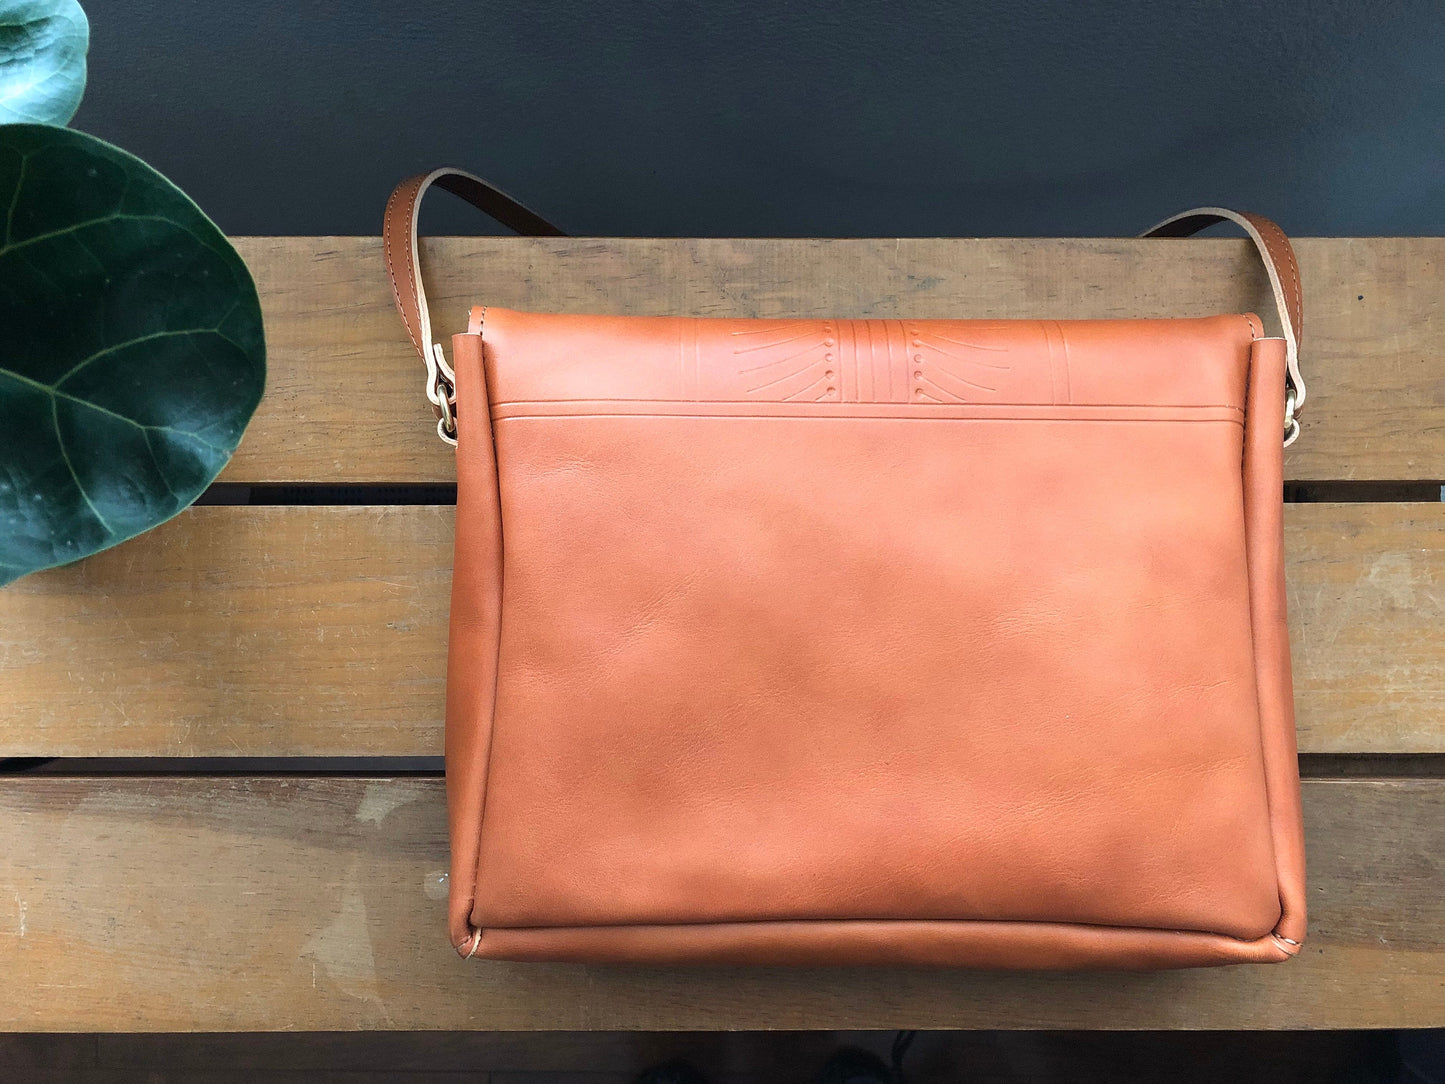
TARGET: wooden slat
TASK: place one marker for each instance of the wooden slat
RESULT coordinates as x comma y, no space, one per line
1367,626
345,404
280,631
292,631
240,904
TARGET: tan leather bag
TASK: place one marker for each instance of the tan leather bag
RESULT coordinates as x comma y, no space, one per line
807,641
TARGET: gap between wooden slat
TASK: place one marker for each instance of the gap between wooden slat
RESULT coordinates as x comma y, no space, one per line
1312,766
263,494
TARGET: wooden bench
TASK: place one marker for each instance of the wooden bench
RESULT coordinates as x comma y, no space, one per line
171,895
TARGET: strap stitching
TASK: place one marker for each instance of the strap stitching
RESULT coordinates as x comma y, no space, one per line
411,255
412,201
390,219
1296,317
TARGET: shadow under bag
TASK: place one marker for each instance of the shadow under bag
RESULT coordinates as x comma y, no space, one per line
846,641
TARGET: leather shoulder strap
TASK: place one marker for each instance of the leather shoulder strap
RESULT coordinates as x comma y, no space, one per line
398,233
400,248
1278,257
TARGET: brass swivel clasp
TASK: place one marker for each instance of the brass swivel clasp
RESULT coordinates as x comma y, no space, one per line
441,392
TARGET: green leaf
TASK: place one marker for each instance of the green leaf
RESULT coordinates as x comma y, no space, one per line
131,350
42,60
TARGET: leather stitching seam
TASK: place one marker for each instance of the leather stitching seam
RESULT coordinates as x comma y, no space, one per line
1268,938
492,721
413,203
389,219
1297,317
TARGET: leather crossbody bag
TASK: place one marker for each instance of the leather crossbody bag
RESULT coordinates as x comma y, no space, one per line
816,641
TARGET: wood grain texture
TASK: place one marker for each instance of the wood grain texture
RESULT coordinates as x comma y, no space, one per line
1367,626
345,404
180,904
230,631
294,631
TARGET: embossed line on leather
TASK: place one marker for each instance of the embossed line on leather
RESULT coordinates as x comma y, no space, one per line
843,364
941,412
642,552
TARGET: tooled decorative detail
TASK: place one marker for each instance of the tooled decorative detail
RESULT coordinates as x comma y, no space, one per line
865,361
948,369
788,362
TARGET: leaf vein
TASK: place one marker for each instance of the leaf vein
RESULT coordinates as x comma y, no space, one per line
65,455
114,347
15,199
58,394
74,227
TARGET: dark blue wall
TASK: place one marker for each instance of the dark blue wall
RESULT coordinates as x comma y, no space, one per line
788,117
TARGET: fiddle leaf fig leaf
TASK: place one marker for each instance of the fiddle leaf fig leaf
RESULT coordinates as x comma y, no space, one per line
131,348
42,60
